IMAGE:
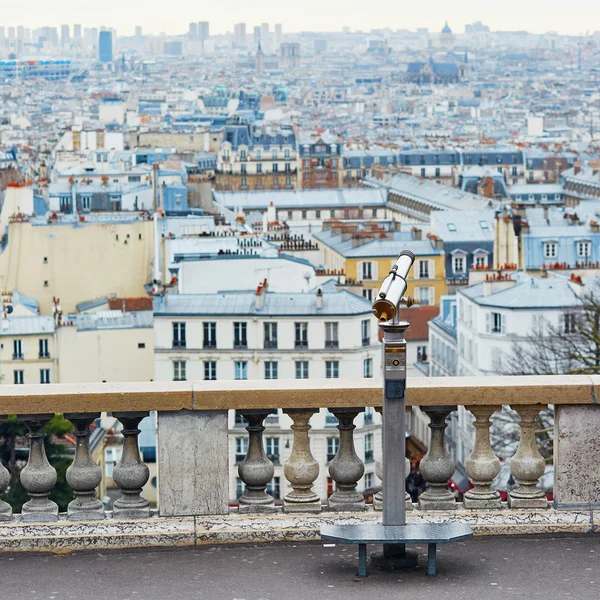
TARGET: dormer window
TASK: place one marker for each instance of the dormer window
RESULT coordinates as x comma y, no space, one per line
550,249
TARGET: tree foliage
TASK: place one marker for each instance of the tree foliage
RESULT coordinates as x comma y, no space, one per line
16,458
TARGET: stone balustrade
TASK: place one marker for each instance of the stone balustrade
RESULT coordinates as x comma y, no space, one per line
193,446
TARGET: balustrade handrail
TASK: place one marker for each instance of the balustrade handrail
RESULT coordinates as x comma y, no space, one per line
293,393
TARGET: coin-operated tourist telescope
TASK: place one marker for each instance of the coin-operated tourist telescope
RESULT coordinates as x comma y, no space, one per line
393,532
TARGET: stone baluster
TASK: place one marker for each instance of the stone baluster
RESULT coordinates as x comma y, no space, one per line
437,466
378,498
301,469
84,475
38,477
5,507
346,468
130,473
256,470
483,465
527,465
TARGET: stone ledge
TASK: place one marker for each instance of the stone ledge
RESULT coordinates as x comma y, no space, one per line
65,536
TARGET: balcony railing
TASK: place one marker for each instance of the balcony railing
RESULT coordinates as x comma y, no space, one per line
193,440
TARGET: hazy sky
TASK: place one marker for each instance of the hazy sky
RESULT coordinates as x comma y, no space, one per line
172,16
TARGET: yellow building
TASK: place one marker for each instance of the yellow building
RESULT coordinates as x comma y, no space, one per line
369,254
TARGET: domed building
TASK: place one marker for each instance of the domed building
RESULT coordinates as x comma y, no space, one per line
447,37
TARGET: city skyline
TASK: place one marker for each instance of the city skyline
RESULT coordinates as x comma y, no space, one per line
332,17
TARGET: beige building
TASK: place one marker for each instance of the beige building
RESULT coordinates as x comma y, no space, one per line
27,343
76,260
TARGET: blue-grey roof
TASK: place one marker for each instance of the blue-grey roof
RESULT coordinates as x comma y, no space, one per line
378,247
526,293
89,304
465,225
112,319
342,303
34,325
301,198
27,301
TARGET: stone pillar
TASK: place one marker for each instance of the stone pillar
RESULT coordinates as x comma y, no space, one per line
577,456
483,465
527,465
84,475
301,469
193,443
130,473
39,476
437,466
5,507
256,470
346,468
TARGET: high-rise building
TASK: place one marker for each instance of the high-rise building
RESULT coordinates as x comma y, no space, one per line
105,46
265,37
278,35
203,31
65,35
138,31
11,33
76,32
193,31
240,34
20,32
256,36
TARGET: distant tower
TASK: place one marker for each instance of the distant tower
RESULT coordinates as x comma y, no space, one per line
260,61
446,37
105,46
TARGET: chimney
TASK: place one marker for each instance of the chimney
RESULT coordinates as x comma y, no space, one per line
545,213
577,167
319,299
497,282
260,294
576,284
417,234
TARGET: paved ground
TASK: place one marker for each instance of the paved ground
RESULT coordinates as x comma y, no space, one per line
481,569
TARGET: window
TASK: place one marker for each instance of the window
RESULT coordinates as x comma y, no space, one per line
423,269
274,154
368,294
330,418
179,370
44,353
289,214
304,214
141,345
301,336
210,335
332,369
244,183
437,171
550,249
210,370
259,168
44,375
331,335
275,168
17,349
272,449
19,377
317,214
270,335
369,447
368,368
86,202
480,260
274,488
270,369
286,154
301,369
243,169
497,324
258,155
458,264
241,369
424,295
365,327
423,172
239,487
570,320
333,444
241,449
240,338
367,270
374,213
584,249
179,335
368,416
514,171
422,354
368,481
239,419
288,181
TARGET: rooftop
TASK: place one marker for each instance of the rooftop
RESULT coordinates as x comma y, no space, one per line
485,567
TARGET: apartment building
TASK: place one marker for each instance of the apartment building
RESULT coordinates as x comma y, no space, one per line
321,161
